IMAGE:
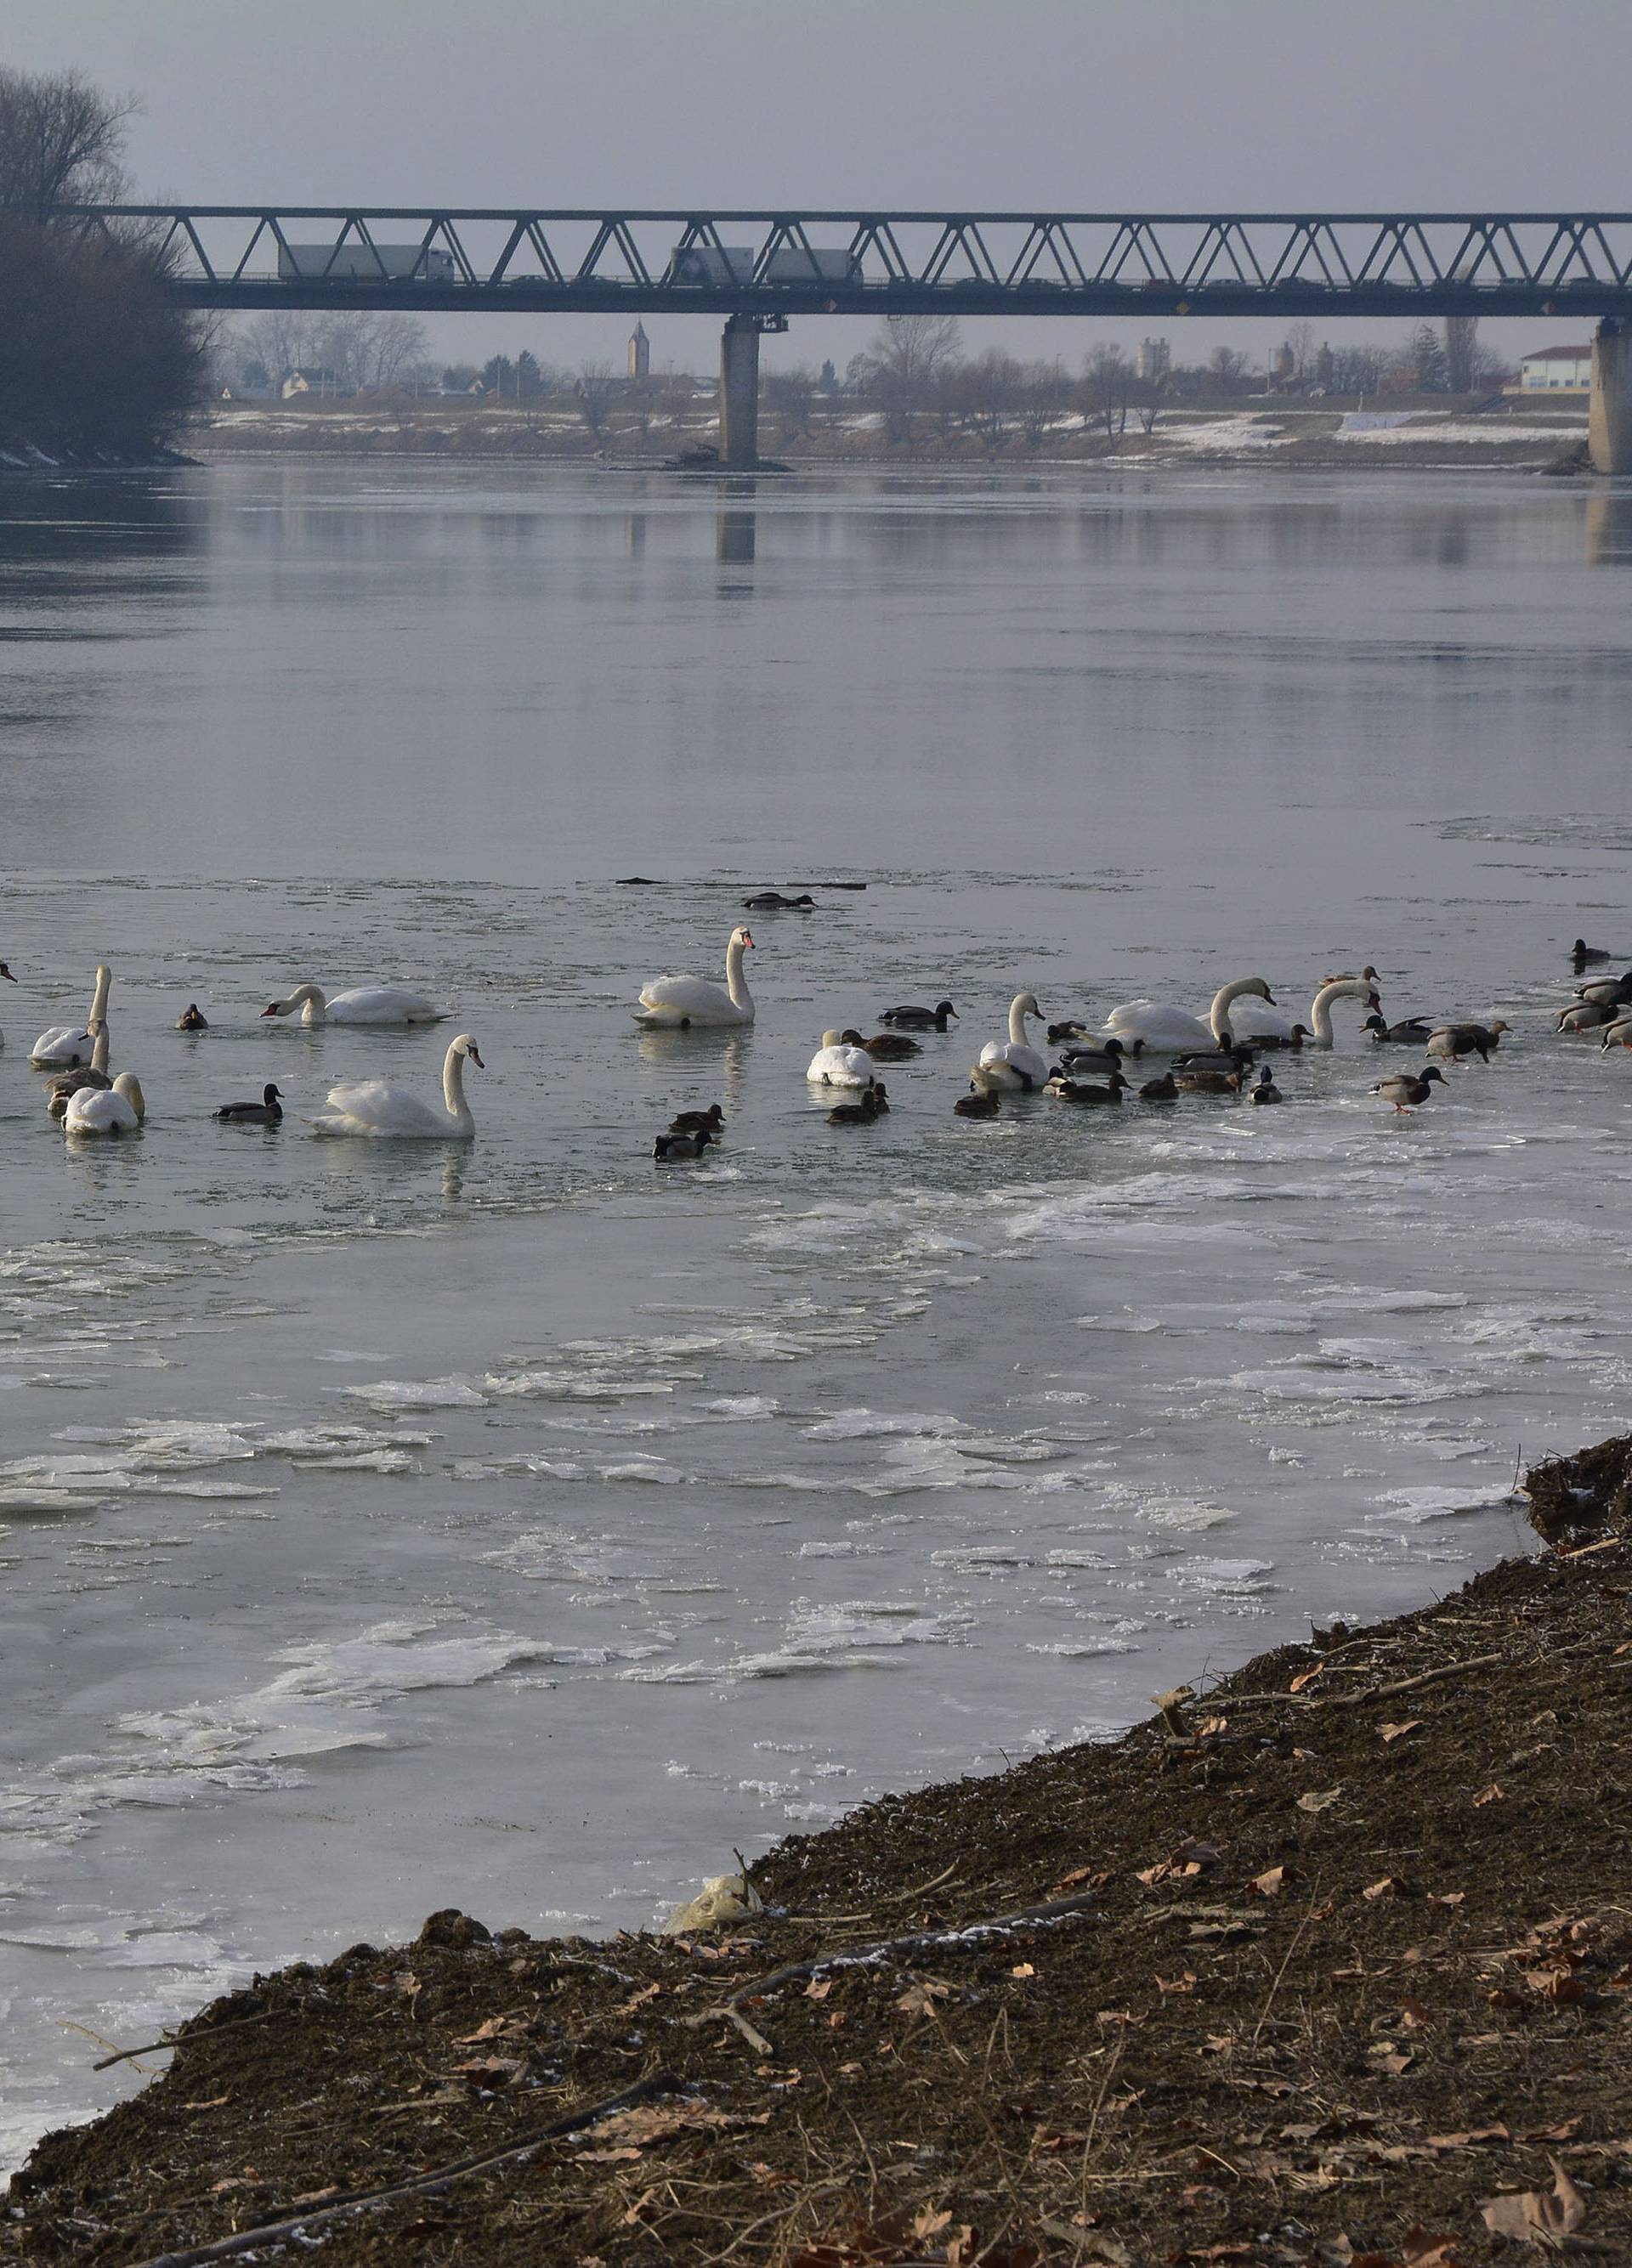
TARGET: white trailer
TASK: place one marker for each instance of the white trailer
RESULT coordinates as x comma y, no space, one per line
365,264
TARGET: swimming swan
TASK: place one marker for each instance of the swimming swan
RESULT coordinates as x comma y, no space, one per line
61,1090
1170,1031
373,1107
679,1002
66,1044
1015,1062
117,1109
366,1004
1257,1021
835,1063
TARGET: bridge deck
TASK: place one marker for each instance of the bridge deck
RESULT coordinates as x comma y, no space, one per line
426,259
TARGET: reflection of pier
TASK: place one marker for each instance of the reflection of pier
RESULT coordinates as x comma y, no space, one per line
1609,528
735,524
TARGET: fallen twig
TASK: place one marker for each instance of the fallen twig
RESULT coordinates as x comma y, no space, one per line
883,1948
274,2231
185,2039
1427,1677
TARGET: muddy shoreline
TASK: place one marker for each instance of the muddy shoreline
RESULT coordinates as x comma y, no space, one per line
1330,1964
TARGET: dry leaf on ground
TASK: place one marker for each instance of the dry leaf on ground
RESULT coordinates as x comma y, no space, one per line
1538,2216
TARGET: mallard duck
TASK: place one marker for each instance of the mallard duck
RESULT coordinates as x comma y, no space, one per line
1293,1037
917,1019
1366,975
1068,1031
1209,1082
193,1018
1580,952
669,1147
1458,1040
1071,1090
1586,1016
1407,1089
771,901
1237,1059
855,1114
266,1112
1265,1091
1607,991
1617,1035
985,1103
1164,1089
1411,1031
1111,1056
889,1046
710,1122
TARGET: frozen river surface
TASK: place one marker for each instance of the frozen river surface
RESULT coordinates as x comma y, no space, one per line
383,1529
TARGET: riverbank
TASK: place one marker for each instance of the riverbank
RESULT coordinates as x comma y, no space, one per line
1328,1963
1321,437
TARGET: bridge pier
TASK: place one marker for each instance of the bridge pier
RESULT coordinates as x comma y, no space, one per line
739,389
1609,415
739,394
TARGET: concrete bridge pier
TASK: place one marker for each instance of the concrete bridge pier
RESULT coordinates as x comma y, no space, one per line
1609,415
739,389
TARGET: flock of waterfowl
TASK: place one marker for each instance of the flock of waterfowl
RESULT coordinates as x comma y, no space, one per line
1211,1054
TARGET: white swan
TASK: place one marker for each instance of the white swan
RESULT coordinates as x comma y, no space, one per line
366,1003
1255,1019
679,1002
835,1064
374,1107
117,1109
1173,1031
67,1045
1013,1063
61,1090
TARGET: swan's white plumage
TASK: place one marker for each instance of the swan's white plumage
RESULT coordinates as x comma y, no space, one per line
1256,1019
1174,1031
65,1045
835,1064
117,1109
1014,1062
375,1108
364,1003
674,1000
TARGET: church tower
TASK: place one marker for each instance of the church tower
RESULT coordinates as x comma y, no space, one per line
639,353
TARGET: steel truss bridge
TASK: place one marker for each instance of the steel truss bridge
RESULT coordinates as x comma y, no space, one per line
769,266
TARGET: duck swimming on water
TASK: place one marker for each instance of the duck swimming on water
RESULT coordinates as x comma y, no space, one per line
266,1112
915,1019
192,1019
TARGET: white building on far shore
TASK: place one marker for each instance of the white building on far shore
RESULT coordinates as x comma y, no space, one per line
1557,369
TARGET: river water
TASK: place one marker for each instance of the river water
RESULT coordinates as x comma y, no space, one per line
387,1526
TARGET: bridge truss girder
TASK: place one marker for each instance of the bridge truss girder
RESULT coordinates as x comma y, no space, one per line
1159,265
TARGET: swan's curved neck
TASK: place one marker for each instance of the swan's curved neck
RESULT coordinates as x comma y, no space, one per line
737,984
99,1053
310,1000
1224,999
98,998
453,1086
1347,988
1017,1013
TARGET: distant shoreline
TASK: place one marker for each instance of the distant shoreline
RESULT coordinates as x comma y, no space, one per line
1434,438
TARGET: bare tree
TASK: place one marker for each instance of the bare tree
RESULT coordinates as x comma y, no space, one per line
1226,372
1044,392
591,390
281,340
60,140
1106,393
791,394
904,365
986,390
1468,365
1358,370
1149,394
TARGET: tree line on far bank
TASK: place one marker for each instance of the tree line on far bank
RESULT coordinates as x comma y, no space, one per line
96,362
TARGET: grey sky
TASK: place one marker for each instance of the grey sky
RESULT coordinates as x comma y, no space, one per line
1091,104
